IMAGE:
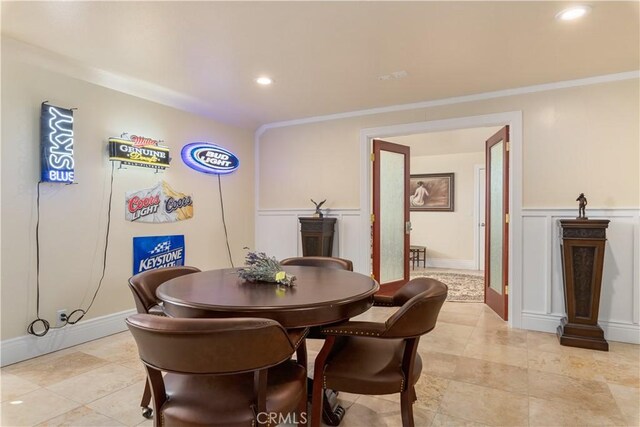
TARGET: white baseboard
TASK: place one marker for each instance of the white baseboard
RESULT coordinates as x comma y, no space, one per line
28,346
459,264
613,331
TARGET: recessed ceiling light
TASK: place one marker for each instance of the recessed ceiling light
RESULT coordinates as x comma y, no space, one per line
573,12
264,81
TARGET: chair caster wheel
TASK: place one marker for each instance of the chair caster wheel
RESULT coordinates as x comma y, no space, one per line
147,412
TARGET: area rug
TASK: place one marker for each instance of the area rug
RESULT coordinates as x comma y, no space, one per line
462,287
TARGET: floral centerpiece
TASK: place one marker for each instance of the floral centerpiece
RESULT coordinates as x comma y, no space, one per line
261,268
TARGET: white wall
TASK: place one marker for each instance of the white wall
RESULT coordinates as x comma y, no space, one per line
576,137
448,236
73,217
580,138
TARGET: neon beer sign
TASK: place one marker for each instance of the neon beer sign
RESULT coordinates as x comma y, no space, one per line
139,151
209,158
56,144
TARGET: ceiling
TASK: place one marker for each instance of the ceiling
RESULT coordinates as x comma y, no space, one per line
325,57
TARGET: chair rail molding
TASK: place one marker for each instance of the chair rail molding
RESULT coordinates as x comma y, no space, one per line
278,233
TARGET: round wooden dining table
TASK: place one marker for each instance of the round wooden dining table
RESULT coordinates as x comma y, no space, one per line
319,296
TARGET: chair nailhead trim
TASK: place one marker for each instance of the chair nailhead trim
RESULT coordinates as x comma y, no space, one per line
300,340
336,331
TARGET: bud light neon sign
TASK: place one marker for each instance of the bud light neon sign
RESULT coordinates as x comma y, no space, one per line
56,143
209,158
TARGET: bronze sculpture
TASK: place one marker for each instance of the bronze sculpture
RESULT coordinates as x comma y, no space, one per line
318,213
582,204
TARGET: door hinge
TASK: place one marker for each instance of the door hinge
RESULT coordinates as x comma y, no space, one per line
508,145
506,289
506,218
373,218
373,157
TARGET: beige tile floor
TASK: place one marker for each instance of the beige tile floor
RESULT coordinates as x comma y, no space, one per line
476,372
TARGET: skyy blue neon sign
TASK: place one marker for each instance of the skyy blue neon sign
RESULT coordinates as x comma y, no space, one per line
56,143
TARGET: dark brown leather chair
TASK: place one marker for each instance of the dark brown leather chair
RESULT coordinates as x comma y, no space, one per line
323,262
143,287
320,261
400,297
380,358
220,372
332,411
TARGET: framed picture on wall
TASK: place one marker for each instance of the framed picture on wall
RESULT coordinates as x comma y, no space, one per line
431,192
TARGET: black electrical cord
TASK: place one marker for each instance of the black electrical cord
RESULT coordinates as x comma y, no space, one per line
104,257
46,326
224,223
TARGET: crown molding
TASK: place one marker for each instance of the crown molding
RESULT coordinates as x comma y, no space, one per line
608,78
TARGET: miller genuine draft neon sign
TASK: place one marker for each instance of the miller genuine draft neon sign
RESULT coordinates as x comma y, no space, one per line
138,151
56,144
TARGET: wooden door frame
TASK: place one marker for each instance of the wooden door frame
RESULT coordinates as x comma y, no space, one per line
477,187
498,302
514,120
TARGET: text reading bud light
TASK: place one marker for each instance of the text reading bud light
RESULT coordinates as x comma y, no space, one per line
209,158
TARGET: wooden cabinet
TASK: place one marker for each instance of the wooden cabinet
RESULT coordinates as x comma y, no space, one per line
583,243
317,236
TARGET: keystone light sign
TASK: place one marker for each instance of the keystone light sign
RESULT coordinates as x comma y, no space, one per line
156,252
209,158
56,144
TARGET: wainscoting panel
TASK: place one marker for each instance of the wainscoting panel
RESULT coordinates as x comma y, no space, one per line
536,290
278,234
543,295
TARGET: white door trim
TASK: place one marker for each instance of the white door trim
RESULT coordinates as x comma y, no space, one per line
478,188
514,120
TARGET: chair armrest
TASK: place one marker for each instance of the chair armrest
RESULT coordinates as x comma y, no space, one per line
370,329
383,301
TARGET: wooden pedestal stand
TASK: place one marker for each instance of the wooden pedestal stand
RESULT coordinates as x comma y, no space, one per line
583,243
317,236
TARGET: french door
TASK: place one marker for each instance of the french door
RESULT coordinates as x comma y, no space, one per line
390,219
496,265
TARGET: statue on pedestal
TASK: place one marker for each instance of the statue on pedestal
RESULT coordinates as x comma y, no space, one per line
582,204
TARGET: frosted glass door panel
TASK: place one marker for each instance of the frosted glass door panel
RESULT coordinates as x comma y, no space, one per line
391,217
496,195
